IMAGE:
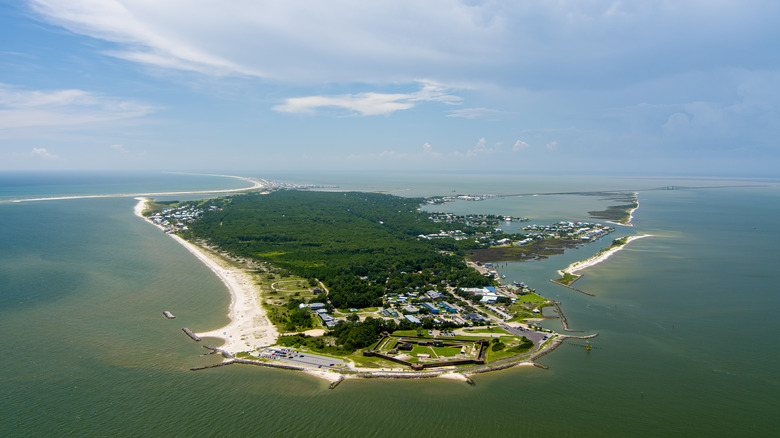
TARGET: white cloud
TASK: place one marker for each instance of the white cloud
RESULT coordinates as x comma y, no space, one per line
428,150
520,145
43,153
387,154
369,104
482,148
119,148
396,41
30,108
551,146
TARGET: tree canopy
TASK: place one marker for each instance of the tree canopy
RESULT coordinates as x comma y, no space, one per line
361,245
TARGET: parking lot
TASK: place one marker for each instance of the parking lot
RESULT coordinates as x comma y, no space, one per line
294,357
536,337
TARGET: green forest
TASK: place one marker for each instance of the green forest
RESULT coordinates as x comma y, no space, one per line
361,245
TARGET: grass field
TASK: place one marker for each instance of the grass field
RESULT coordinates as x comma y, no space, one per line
487,330
531,298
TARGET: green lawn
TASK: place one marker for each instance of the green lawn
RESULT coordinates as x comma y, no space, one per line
487,330
447,351
531,298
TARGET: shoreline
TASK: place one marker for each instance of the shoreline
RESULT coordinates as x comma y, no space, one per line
595,260
249,327
628,223
631,212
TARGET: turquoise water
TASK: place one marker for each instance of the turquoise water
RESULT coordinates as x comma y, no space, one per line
685,322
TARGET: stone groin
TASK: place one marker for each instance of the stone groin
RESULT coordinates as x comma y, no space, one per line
336,383
409,375
169,315
214,365
191,334
224,353
556,343
573,288
564,323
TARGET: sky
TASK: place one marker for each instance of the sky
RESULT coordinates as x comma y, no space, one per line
664,87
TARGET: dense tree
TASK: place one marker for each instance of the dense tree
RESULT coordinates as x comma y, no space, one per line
361,245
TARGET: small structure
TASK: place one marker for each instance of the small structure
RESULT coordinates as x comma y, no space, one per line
327,320
404,346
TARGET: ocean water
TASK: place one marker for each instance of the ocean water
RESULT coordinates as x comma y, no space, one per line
685,318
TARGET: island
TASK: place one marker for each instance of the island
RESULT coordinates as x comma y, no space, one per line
361,285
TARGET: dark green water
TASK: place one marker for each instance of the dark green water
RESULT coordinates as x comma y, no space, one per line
686,321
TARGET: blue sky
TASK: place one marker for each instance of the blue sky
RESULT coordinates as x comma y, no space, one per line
637,87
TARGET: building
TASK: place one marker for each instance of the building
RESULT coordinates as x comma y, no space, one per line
434,295
413,319
327,320
432,308
449,308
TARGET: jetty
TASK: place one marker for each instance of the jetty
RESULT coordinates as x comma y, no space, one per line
191,334
169,315
573,288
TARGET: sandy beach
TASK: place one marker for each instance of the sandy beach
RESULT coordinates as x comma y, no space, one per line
249,327
578,266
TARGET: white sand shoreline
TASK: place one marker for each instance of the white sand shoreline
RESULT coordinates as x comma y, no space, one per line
595,260
249,327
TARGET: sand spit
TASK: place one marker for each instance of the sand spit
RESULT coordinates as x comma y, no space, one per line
595,260
256,184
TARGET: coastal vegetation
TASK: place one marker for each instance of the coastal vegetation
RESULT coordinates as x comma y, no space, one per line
618,213
362,245
536,250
